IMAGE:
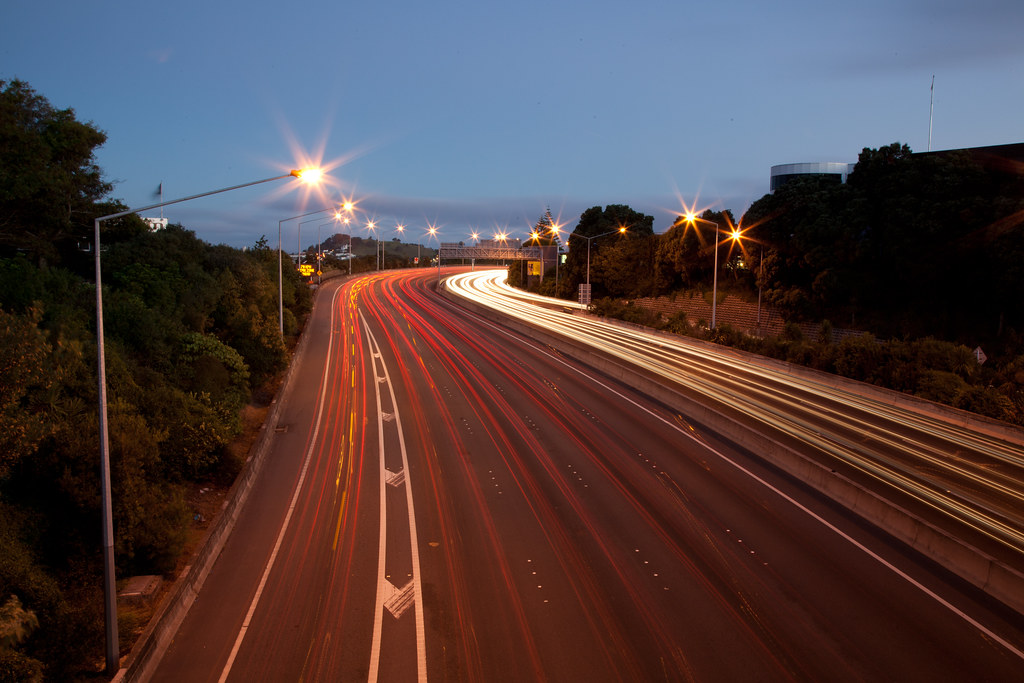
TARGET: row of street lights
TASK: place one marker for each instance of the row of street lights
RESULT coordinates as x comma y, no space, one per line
692,219
342,214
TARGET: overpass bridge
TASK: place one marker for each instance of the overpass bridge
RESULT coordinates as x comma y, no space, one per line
456,250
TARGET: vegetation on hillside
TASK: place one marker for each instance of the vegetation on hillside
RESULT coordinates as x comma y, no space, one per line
920,251
191,330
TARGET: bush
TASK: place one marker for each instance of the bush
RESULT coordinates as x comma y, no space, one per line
678,324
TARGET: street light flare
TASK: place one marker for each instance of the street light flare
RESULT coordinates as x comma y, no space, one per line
310,176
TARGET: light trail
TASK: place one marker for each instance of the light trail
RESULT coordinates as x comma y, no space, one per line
962,474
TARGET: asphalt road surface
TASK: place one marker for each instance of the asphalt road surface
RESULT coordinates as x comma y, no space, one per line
446,500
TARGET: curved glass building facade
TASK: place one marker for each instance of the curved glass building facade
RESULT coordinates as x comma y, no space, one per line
783,173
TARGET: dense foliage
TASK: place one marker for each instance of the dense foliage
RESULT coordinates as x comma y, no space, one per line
911,245
191,329
913,249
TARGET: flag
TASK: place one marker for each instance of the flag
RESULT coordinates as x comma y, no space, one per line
159,191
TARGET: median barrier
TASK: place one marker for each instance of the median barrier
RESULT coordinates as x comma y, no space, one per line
998,579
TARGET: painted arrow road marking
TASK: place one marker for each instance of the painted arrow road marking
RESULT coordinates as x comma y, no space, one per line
395,479
398,601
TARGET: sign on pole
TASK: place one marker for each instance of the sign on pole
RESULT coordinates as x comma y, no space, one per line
584,294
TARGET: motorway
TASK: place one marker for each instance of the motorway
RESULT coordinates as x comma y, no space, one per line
445,499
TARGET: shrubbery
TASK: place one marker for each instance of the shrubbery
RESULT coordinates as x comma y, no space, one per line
929,368
183,355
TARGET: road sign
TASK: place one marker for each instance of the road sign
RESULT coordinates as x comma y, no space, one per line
585,294
980,355
306,270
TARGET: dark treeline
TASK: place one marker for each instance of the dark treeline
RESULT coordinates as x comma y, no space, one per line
191,332
924,252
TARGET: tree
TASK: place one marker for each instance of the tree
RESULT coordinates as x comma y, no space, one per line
26,378
603,227
544,230
49,181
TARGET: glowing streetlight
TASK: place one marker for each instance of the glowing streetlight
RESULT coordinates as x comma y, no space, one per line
109,588
280,266
692,219
555,230
372,227
400,228
433,233
346,219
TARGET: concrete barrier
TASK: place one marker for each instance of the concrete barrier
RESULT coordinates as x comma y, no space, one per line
998,579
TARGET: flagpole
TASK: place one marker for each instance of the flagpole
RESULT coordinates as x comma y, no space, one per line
931,110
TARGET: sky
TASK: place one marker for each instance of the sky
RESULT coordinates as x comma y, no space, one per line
474,116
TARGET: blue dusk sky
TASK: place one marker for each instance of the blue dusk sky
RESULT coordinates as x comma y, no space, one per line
477,116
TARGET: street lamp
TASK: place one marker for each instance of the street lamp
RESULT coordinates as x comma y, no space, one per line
621,230
109,588
692,219
401,230
347,207
280,267
558,256
535,238
372,227
433,233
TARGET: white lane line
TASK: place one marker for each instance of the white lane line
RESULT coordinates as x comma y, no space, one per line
899,572
385,589
291,507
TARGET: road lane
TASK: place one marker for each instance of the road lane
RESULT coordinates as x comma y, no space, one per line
942,471
568,529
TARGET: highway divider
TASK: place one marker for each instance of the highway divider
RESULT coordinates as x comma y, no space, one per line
996,577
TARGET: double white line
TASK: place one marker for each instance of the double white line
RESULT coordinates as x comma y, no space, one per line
395,600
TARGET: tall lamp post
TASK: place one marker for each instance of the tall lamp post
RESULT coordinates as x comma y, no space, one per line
346,219
558,253
280,266
692,219
400,228
590,239
372,227
433,233
109,587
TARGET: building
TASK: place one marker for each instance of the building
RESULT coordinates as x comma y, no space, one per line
783,173
1003,158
